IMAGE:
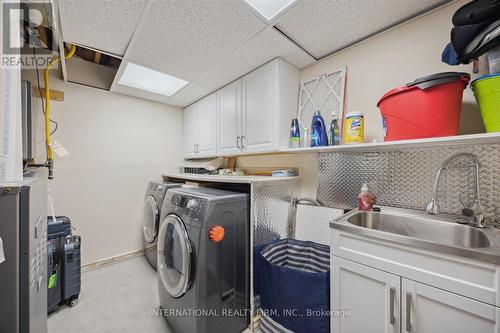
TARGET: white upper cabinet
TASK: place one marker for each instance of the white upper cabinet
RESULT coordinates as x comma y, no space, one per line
251,115
200,128
189,131
207,124
260,109
263,104
229,119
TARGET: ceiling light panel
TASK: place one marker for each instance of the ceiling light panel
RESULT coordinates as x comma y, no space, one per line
143,78
269,8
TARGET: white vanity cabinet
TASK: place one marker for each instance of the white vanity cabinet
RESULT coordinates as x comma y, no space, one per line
371,296
429,309
200,128
389,287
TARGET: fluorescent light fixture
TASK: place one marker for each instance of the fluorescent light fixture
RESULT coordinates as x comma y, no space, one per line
143,78
269,8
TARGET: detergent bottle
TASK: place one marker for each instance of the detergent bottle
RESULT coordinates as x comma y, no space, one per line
319,136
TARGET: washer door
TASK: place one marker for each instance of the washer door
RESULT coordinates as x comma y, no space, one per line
150,217
174,256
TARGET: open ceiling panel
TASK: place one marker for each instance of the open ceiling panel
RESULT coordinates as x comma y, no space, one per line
105,25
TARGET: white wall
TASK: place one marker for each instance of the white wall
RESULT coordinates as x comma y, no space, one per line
375,66
117,144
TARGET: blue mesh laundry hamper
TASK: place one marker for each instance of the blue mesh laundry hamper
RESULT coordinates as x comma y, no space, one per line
293,280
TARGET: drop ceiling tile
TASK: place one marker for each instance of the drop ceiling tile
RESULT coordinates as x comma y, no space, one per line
324,26
130,91
186,38
264,47
105,25
189,94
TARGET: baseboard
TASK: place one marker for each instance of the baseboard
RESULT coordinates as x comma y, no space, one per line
112,260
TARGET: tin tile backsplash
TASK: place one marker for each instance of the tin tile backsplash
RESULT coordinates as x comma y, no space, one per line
404,177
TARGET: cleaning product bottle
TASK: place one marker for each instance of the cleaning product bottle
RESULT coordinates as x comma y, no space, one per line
318,131
334,132
294,134
306,139
354,127
366,198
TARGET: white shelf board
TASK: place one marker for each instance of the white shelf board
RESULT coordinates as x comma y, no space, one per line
225,178
468,139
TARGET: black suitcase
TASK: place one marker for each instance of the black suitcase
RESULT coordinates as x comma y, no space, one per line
64,264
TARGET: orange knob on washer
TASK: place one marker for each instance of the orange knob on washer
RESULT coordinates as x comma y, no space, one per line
216,233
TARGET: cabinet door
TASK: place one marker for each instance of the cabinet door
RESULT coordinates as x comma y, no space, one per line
206,126
426,309
371,296
261,109
189,131
229,119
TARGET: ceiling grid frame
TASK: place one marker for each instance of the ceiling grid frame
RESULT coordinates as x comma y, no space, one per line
250,52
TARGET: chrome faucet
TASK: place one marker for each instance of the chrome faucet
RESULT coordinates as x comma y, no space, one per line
472,215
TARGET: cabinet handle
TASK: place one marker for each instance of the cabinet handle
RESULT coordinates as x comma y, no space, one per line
238,142
408,312
392,318
242,138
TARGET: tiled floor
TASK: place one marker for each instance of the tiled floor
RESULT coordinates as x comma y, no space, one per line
116,298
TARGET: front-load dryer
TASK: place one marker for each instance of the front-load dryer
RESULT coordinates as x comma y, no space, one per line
153,201
203,260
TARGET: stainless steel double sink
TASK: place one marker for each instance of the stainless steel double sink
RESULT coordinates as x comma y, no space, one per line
419,229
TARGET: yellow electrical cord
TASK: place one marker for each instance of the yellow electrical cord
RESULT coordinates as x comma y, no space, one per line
55,60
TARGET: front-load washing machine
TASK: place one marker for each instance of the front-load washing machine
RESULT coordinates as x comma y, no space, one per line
203,260
153,201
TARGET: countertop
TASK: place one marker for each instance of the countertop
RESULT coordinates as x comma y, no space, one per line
226,179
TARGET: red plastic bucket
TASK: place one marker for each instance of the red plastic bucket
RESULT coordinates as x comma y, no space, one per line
427,107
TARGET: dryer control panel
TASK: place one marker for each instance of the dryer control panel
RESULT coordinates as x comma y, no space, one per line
188,206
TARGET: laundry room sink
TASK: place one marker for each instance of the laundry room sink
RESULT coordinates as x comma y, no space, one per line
432,230
439,233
